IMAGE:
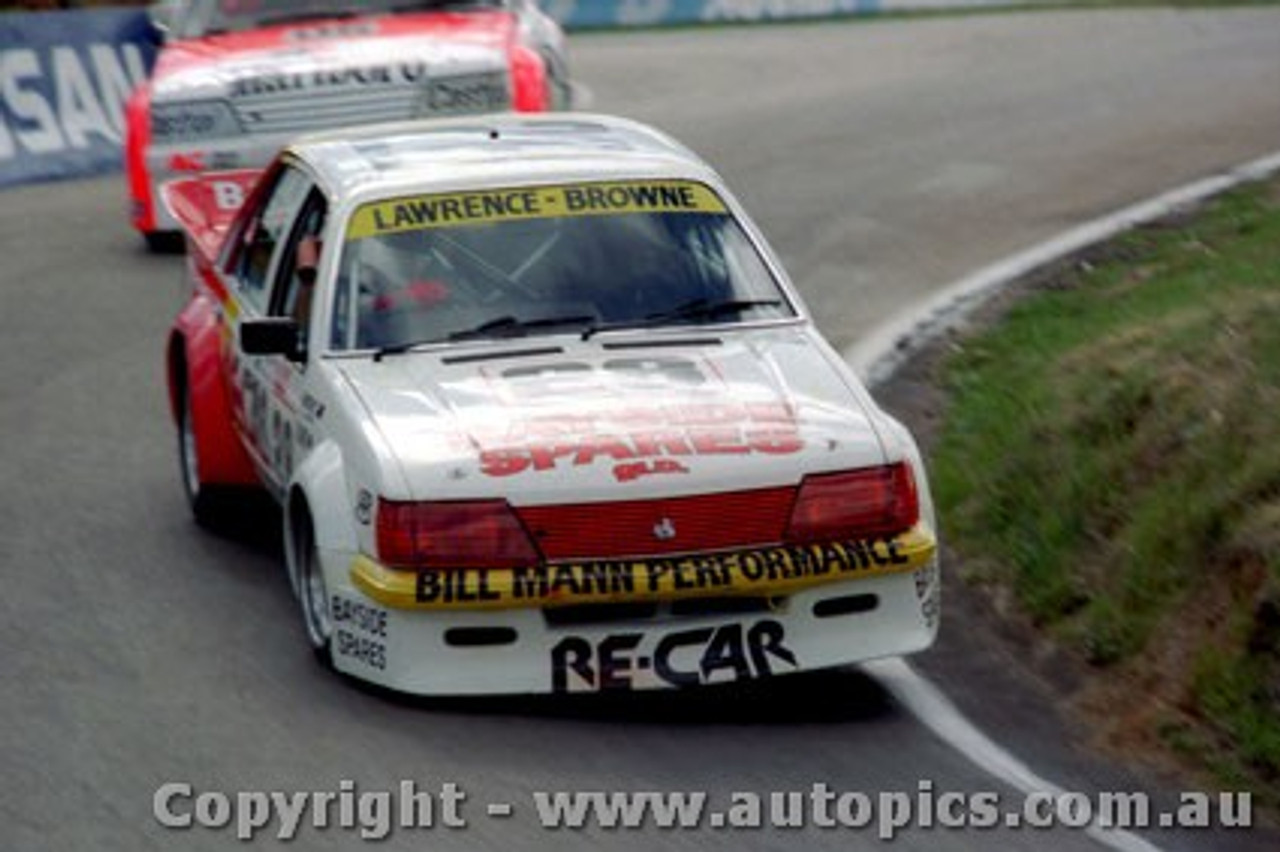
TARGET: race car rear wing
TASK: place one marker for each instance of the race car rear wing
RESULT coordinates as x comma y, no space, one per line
205,206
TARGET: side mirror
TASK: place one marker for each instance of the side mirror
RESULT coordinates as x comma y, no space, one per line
272,336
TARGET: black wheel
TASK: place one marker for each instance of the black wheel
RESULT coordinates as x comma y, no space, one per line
207,503
313,594
164,242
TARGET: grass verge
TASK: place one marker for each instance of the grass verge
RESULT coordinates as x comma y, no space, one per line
1111,454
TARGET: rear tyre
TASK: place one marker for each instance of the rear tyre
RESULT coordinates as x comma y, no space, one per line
164,242
313,593
208,503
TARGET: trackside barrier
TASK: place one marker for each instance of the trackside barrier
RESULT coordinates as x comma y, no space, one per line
64,79
65,76
607,14
604,14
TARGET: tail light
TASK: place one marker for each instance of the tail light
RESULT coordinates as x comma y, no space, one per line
874,501
456,534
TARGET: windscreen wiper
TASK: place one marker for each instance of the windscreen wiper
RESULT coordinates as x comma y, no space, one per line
503,326
511,326
697,309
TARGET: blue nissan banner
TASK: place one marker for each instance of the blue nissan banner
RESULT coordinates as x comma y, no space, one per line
596,14
64,80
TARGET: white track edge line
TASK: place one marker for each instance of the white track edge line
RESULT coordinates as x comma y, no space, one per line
937,713
884,351
876,357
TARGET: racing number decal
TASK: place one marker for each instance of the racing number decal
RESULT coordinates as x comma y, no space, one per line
255,404
546,384
267,388
281,444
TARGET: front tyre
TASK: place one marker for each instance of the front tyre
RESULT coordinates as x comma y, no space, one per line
208,503
313,593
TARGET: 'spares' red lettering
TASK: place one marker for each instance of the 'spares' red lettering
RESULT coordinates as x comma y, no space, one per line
544,457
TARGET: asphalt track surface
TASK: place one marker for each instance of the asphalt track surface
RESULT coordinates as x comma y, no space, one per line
884,160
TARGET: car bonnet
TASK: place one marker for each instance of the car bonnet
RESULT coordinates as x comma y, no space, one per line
542,420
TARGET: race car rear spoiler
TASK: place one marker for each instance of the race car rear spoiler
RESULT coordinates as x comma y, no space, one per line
205,206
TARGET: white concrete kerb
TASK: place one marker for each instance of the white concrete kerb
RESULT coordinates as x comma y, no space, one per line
884,351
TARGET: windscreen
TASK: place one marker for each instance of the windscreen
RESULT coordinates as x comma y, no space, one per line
551,259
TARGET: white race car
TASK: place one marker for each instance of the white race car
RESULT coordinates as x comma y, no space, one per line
544,415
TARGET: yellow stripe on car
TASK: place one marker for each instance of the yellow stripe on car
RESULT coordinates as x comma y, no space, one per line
760,571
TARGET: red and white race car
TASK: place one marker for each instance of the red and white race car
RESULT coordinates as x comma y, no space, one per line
544,415
236,79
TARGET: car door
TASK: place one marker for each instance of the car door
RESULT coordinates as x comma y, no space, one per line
284,436
262,387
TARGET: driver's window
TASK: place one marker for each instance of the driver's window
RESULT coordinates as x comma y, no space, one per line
296,273
265,235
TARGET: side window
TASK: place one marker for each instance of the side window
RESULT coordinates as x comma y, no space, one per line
264,237
295,277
